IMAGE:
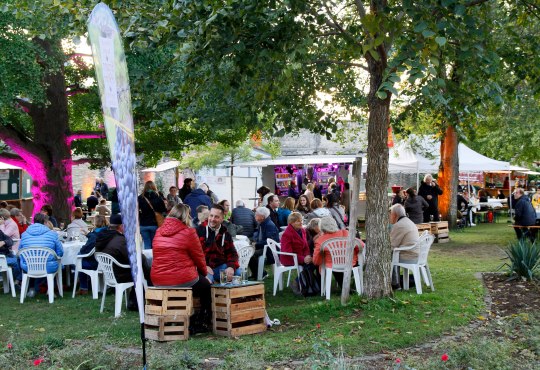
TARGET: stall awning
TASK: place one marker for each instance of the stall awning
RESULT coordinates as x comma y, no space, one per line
303,159
163,167
5,166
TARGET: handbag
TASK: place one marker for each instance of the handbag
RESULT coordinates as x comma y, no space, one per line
159,217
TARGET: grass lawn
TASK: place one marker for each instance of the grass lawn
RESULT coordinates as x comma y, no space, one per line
71,332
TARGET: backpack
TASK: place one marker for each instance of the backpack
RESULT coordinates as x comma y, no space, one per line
310,281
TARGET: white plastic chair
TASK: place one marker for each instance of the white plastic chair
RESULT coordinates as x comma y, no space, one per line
279,269
418,265
7,276
337,247
262,257
36,262
105,265
245,253
93,274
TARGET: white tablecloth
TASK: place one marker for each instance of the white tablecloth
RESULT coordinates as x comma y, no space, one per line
71,250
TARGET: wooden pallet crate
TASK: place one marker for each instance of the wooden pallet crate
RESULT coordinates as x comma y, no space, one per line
166,328
440,227
238,310
423,227
169,302
442,238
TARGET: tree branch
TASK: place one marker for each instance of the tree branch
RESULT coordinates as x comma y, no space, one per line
348,64
25,105
333,22
476,2
360,8
80,135
13,159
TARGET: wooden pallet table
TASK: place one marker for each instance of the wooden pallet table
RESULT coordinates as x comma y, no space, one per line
238,309
423,227
441,231
167,313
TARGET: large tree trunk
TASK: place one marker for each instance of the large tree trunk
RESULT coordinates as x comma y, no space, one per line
449,175
378,254
52,182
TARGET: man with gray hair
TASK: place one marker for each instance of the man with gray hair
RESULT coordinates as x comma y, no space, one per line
266,230
244,217
404,233
197,198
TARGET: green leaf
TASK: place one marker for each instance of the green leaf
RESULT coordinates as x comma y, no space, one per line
382,94
420,27
428,33
440,40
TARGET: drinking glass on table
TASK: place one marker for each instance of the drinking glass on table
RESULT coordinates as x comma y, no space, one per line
223,277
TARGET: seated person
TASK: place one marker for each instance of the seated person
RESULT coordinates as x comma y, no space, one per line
285,211
6,245
47,210
38,234
313,232
218,246
303,205
18,217
102,208
317,210
404,233
329,229
266,230
90,263
294,240
77,226
179,260
244,217
202,214
9,228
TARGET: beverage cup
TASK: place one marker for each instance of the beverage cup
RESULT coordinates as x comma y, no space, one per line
244,277
431,218
236,280
223,277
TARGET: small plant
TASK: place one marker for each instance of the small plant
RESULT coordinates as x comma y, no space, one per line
524,259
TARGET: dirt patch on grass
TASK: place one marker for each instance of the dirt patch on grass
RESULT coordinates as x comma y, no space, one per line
512,297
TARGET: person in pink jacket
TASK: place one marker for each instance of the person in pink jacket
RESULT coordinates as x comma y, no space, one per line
294,240
9,228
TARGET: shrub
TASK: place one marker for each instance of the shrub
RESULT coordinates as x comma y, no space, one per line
524,259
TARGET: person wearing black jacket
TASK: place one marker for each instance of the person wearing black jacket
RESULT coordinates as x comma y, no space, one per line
244,217
150,203
525,215
415,206
430,191
186,189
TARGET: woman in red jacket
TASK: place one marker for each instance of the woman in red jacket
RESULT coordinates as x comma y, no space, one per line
294,240
179,259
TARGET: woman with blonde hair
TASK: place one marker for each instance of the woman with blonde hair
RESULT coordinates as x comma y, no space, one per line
150,204
285,211
179,260
309,192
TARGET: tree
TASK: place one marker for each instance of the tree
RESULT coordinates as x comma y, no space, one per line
41,82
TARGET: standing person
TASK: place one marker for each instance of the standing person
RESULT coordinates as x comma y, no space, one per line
102,208
150,203
345,198
115,204
211,194
198,198
103,189
77,199
309,192
186,189
218,246
399,197
430,191
317,193
500,194
292,192
524,215
172,198
179,260
415,206
265,230
244,217
91,202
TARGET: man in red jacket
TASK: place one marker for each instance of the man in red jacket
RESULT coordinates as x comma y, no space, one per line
218,245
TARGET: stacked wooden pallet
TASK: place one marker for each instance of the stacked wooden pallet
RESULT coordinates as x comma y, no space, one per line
238,310
167,313
423,227
441,231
